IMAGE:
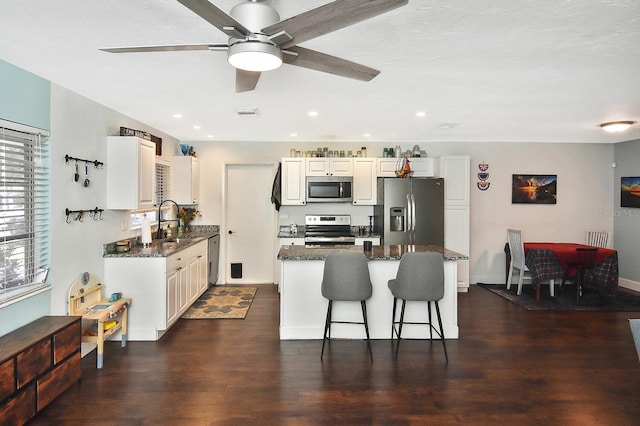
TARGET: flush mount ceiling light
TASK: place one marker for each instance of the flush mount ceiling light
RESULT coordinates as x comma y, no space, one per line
616,126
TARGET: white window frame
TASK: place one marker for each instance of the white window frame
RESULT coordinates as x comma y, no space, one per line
25,215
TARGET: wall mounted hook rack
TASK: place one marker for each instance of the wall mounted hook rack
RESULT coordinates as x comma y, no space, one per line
97,164
78,215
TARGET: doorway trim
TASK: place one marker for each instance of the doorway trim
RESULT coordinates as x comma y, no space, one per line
224,241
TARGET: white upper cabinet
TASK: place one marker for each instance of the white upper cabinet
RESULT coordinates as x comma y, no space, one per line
387,167
292,188
185,179
421,167
329,166
365,188
130,173
456,171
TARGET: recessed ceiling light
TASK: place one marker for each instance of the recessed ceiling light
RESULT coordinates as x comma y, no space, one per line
312,113
210,136
448,125
195,126
366,135
293,135
177,115
616,126
421,114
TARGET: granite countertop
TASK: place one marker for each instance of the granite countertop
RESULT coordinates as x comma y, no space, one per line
385,252
163,247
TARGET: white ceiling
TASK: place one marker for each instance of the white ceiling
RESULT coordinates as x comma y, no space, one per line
501,70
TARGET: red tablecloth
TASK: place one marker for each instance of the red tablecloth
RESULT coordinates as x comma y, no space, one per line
553,261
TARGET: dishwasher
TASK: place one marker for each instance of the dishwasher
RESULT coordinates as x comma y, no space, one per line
213,253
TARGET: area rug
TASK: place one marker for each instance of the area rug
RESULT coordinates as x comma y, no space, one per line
565,300
222,302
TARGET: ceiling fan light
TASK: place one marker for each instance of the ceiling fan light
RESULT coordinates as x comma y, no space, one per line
616,126
254,56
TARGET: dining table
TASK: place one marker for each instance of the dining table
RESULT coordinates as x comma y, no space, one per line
557,261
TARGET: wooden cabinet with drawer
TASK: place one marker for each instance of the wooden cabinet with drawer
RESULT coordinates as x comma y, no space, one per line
38,362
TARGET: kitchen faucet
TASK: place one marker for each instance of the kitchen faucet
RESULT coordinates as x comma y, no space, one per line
160,220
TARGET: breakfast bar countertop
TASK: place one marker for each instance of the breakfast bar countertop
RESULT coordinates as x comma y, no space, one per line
383,252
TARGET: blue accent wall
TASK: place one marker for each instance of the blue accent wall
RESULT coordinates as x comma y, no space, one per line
24,97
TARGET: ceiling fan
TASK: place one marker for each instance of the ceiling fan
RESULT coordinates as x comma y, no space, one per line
259,41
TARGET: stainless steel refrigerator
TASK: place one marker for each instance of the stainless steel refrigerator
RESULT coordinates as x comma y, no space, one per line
412,211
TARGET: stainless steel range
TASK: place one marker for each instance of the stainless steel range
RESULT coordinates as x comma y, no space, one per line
328,230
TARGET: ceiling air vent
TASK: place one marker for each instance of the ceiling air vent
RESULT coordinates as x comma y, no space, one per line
246,112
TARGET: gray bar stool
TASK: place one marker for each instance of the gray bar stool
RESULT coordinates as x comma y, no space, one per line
420,277
346,278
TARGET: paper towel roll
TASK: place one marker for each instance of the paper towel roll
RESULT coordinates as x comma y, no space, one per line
145,235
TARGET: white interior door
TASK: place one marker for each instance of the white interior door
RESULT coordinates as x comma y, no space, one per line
250,224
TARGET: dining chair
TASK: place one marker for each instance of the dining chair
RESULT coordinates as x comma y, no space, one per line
597,238
346,279
516,248
586,259
420,278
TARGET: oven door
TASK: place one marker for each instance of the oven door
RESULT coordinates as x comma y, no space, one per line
329,241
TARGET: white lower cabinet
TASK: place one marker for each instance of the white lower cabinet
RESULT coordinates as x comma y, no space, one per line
161,288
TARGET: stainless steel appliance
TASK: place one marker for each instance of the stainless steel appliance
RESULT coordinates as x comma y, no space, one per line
412,211
329,189
328,230
213,253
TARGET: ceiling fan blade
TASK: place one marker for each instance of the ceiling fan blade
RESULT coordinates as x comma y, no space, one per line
217,18
165,48
315,60
246,80
330,17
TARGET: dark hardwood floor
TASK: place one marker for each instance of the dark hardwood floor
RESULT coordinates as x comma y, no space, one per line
510,366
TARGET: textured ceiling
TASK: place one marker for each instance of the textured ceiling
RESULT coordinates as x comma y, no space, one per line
498,70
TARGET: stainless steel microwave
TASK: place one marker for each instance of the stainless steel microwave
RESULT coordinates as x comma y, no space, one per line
329,189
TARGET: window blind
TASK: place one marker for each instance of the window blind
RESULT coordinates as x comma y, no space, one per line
24,219
163,182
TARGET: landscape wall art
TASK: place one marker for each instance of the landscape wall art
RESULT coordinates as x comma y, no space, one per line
630,192
534,189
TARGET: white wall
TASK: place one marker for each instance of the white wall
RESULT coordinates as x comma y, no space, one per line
584,191
79,128
584,196
627,220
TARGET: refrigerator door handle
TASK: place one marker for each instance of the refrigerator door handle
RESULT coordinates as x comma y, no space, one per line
413,213
409,215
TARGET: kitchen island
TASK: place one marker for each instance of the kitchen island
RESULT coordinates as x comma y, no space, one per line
303,308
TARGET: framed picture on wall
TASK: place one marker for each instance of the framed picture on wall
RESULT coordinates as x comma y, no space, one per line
534,189
630,192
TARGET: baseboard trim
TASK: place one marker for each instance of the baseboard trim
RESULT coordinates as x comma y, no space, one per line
631,285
